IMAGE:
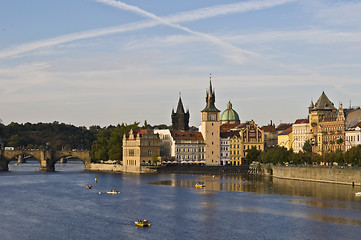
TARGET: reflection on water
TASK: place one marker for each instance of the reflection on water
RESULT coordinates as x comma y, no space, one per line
56,205
269,185
324,204
336,220
32,165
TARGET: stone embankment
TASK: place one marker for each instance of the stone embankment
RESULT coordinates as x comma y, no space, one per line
207,170
180,169
103,167
319,174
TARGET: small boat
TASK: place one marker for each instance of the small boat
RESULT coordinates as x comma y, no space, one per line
113,192
358,194
143,223
198,185
89,186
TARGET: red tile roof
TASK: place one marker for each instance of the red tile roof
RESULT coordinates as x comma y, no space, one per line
299,121
357,125
283,126
269,128
228,126
187,135
286,132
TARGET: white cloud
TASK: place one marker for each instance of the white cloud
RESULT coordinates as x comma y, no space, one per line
192,15
341,13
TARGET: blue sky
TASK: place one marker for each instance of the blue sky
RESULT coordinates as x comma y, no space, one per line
102,62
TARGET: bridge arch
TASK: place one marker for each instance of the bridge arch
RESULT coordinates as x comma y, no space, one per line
82,155
46,158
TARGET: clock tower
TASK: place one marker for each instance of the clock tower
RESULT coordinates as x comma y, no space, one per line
211,129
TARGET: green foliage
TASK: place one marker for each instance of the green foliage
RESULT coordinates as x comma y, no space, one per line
253,154
277,155
57,135
99,150
353,156
109,142
307,147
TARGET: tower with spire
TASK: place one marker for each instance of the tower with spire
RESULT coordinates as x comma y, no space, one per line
210,128
180,118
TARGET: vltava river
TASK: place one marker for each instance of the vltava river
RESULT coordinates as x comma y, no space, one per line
36,205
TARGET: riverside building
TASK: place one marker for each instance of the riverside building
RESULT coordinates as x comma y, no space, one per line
301,133
210,129
140,147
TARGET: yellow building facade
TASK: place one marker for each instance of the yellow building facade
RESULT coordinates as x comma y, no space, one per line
140,148
249,135
285,138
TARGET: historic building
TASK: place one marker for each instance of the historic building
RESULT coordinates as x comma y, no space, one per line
189,147
327,125
301,133
244,137
285,138
181,146
140,147
225,145
180,118
210,129
353,136
230,116
167,144
270,136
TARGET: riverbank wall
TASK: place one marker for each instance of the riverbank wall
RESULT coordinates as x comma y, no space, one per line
180,169
102,167
319,174
206,170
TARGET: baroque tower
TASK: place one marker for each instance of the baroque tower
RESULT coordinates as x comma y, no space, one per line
180,118
211,128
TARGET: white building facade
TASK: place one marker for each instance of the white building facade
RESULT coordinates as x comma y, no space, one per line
353,136
301,133
181,146
224,148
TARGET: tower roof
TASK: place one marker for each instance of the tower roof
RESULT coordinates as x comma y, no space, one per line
180,109
323,103
210,99
229,114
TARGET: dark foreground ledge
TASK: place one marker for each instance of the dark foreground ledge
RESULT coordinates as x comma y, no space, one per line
198,169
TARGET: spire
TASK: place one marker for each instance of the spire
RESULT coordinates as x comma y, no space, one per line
180,118
311,105
210,99
229,105
180,109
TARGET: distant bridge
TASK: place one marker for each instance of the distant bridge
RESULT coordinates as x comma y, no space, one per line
46,158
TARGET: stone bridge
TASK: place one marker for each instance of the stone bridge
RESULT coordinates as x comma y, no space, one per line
46,158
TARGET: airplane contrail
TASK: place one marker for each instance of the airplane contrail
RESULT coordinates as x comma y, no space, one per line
175,18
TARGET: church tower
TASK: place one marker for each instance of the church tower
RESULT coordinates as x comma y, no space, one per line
180,118
211,128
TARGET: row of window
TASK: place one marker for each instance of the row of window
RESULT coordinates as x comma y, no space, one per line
236,146
190,157
200,149
353,138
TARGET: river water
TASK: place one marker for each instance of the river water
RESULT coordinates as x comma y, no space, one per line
56,205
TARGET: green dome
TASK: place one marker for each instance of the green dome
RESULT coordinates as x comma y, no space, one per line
229,114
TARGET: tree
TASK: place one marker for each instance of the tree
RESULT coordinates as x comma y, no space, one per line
115,143
277,155
353,155
253,155
100,149
307,147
